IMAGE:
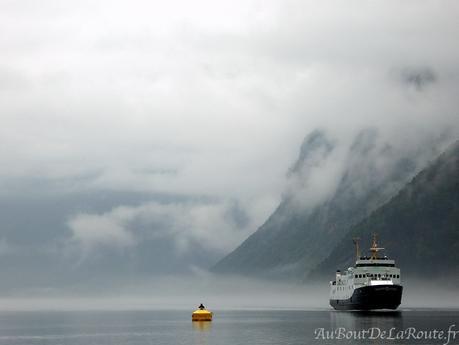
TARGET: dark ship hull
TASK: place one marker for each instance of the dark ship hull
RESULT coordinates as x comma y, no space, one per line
370,298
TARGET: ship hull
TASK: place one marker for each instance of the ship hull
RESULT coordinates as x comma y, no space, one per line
371,298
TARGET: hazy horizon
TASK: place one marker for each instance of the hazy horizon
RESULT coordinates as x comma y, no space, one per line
217,293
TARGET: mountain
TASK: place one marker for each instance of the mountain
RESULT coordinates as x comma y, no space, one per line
419,226
333,186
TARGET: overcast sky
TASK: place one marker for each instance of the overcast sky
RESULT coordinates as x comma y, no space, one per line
208,100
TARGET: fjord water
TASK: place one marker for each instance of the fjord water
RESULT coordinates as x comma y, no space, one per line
230,327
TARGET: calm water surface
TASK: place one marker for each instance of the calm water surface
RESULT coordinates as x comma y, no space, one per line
228,327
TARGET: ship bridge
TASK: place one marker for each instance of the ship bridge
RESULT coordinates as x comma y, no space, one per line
379,262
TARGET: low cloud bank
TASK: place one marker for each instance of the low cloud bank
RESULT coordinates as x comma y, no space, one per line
185,292
194,228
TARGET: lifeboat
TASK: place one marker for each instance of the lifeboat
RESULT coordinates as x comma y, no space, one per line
201,314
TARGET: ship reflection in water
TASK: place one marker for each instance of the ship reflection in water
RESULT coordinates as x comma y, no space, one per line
429,326
372,321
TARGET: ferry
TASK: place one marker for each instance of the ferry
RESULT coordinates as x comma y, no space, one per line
373,283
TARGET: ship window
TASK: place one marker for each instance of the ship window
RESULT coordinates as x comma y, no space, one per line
398,276
375,264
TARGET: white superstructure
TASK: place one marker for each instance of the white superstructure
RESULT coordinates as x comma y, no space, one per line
367,272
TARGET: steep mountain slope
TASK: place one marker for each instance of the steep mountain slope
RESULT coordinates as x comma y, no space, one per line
419,226
332,188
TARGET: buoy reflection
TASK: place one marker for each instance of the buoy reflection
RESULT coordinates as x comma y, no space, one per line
202,325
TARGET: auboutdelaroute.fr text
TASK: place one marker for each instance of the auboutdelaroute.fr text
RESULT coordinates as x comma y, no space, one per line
443,336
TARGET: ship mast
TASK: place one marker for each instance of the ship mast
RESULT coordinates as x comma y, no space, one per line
374,248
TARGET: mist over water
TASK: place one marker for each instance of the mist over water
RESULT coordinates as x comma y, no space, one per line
216,292
246,311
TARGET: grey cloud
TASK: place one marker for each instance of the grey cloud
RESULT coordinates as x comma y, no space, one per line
315,147
58,240
208,227
106,104
418,78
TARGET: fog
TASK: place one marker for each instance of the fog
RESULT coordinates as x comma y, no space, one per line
173,292
216,293
146,140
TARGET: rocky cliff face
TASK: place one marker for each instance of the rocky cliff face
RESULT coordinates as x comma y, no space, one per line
331,188
419,226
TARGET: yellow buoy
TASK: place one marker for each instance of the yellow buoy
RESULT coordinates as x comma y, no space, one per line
201,314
